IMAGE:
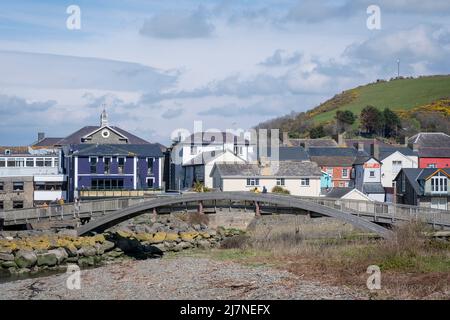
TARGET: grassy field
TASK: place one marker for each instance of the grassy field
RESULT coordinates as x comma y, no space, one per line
412,265
402,94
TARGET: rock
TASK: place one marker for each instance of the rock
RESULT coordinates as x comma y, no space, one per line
107,245
68,232
25,259
72,259
125,234
172,237
203,244
144,236
9,264
60,253
184,245
160,246
188,236
86,261
197,227
7,249
205,235
46,259
87,251
23,270
6,256
158,237
71,250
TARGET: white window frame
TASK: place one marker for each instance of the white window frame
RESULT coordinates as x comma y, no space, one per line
150,178
281,182
439,183
252,182
305,182
345,170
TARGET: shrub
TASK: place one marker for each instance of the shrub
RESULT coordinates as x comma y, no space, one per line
281,190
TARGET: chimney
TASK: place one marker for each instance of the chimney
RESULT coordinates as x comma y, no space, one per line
375,150
405,141
360,146
41,136
340,140
285,138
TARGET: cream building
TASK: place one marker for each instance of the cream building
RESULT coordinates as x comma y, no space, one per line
299,178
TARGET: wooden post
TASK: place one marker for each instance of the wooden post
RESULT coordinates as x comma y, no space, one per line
200,207
257,209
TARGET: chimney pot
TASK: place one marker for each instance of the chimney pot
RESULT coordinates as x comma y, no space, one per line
41,136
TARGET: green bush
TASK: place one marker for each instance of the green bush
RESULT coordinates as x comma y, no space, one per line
278,189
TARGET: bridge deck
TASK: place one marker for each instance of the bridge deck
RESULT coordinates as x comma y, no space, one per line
371,211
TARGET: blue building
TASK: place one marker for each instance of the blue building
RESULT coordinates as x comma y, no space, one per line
109,158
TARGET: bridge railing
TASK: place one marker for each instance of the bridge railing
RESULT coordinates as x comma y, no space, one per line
385,210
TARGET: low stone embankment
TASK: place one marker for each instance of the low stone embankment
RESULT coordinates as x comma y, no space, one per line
26,253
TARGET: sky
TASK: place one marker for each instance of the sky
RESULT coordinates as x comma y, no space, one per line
159,66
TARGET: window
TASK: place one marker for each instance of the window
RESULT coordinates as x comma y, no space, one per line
396,166
252,182
431,165
403,183
150,162
2,162
106,184
93,162
39,162
11,162
150,183
18,186
344,173
439,183
1,186
48,186
20,162
304,182
48,162
2,205
238,150
213,154
193,149
56,162
29,162
121,164
280,182
107,167
17,204
371,173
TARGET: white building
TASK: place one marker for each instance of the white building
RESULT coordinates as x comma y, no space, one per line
299,178
194,149
393,159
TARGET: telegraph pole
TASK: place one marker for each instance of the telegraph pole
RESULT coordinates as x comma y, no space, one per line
398,68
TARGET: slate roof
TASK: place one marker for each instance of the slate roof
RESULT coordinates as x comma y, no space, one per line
290,154
284,169
200,158
313,142
373,187
75,138
46,142
146,150
333,156
338,192
431,144
367,144
387,151
213,138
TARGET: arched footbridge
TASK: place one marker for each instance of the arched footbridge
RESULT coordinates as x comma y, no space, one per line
104,214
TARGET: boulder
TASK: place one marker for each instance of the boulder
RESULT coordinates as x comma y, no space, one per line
9,264
158,237
6,256
188,236
86,261
203,244
60,253
171,236
71,250
184,245
107,246
25,259
47,259
68,232
87,251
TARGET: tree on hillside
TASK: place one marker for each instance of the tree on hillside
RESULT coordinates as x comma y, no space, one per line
317,132
392,123
344,120
371,120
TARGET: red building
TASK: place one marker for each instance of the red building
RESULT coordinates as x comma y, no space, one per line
433,149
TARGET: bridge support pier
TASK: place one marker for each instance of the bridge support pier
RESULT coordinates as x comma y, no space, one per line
257,209
200,207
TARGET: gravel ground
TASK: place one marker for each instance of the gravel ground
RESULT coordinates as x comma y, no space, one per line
176,278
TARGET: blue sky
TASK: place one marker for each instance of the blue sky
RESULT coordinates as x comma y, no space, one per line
160,65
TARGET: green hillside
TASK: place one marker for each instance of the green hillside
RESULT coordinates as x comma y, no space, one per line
403,94
422,104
